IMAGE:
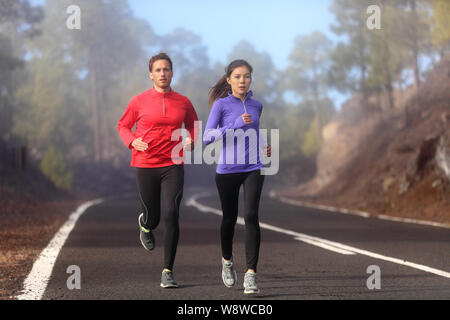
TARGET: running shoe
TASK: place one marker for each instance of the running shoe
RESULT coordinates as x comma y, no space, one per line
167,280
250,286
146,235
228,273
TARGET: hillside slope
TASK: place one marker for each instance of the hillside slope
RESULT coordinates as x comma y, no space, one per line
31,210
388,161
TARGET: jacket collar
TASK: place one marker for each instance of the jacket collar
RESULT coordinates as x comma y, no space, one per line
155,93
249,95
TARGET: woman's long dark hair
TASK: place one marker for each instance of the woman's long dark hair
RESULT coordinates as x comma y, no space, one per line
221,89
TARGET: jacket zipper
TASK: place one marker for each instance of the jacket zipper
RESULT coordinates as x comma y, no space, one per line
243,103
164,106
245,109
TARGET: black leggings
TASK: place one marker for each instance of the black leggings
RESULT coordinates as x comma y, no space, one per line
160,191
228,186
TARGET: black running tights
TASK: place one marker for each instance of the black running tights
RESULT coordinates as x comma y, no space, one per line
160,193
228,186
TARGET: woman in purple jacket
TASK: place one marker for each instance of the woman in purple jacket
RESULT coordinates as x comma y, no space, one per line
234,118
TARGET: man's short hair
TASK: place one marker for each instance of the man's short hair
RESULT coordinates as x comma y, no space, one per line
159,56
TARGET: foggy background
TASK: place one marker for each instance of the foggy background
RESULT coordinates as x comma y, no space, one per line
63,91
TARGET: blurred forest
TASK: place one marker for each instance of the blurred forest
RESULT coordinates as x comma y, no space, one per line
62,91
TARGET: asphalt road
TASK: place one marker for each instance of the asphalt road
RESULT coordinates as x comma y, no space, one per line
105,246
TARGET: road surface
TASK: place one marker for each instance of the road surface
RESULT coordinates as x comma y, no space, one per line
305,254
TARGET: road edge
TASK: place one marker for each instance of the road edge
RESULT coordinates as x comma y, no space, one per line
295,202
36,282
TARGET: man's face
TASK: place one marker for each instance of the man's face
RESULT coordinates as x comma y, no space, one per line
161,74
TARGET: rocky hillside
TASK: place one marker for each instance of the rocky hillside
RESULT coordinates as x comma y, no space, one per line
388,161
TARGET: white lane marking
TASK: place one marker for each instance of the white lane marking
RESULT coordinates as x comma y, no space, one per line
319,242
409,220
324,246
298,236
37,280
363,214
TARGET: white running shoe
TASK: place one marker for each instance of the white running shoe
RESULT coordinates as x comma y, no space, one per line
250,286
228,273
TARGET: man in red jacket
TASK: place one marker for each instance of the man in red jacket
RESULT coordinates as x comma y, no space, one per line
160,177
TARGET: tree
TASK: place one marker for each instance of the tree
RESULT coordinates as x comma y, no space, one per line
351,56
106,49
8,63
193,76
387,56
441,25
21,15
372,60
77,76
49,94
18,20
411,31
186,50
307,74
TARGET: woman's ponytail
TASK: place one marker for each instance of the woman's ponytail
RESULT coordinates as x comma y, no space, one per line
220,90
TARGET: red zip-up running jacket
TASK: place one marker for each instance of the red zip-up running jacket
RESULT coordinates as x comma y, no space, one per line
156,116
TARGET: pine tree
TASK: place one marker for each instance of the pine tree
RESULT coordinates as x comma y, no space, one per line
441,26
307,74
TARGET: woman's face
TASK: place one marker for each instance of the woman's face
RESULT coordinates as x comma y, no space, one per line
240,80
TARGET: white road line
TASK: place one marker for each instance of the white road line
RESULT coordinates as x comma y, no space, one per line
325,246
363,214
319,242
37,280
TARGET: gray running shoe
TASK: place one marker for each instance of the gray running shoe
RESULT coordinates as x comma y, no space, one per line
146,235
250,286
167,280
228,273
